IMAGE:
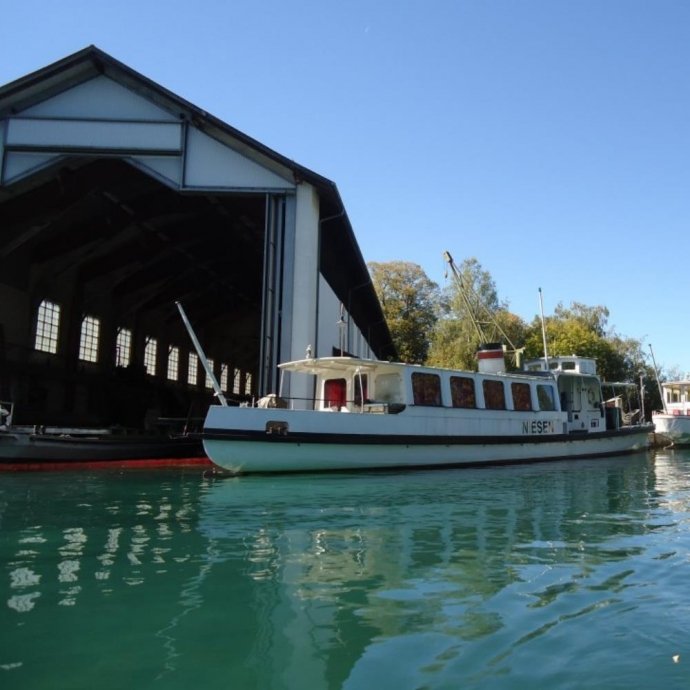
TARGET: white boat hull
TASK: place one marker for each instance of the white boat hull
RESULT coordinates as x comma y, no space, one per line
672,428
251,440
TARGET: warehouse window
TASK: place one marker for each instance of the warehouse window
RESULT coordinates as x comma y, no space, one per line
123,347
150,354
209,383
88,340
47,327
173,363
192,369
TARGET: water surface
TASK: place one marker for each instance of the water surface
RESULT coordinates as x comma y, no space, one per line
558,575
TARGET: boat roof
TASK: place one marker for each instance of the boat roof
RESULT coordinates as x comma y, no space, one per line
682,382
343,365
318,365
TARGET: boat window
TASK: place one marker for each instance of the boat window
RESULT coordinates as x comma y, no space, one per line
47,324
522,397
236,382
546,397
462,392
388,388
248,383
334,393
360,385
494,395
426,389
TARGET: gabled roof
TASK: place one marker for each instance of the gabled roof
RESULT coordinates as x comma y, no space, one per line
342,263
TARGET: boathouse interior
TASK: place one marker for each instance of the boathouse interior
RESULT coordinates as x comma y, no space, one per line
112,250
119,200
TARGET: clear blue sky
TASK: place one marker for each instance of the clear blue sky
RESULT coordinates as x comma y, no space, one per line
550,139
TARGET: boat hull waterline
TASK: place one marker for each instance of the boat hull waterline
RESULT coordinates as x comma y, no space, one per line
243,451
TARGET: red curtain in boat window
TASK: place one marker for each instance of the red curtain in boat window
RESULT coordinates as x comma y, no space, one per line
334,393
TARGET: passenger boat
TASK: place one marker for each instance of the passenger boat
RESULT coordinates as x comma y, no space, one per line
45,447
368,414
672,425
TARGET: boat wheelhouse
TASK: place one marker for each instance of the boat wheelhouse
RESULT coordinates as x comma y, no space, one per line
368,414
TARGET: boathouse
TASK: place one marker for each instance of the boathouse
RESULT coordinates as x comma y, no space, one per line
118,199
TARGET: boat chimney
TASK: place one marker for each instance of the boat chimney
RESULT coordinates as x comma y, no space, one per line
490,358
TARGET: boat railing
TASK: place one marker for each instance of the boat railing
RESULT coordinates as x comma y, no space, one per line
273,401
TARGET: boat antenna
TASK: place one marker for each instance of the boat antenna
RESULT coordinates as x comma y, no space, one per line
658,382
543,329
204,362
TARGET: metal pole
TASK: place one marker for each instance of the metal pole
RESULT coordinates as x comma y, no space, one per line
204,362
543,330
658,382
642,396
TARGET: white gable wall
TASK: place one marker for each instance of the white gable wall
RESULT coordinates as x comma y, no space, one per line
101,117
209,163
100,98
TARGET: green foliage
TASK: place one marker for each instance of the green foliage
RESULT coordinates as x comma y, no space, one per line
410,302
581,330
472,314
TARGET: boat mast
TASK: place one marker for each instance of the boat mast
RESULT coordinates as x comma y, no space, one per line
204,362
479,313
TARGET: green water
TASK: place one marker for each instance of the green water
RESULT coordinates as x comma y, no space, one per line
563,575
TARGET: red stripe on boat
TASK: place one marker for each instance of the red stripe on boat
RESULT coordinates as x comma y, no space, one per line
143,463
489,354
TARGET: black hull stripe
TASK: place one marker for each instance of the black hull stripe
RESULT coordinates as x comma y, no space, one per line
413,440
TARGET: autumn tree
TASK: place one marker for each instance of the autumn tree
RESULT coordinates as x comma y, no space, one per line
409,300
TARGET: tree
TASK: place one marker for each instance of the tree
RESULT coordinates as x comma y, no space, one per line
594,319
472,314
409,300
583,331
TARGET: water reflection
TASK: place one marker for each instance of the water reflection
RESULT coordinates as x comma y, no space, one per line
355,567
324,581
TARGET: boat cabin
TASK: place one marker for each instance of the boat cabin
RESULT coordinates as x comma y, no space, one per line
345,384
677,397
